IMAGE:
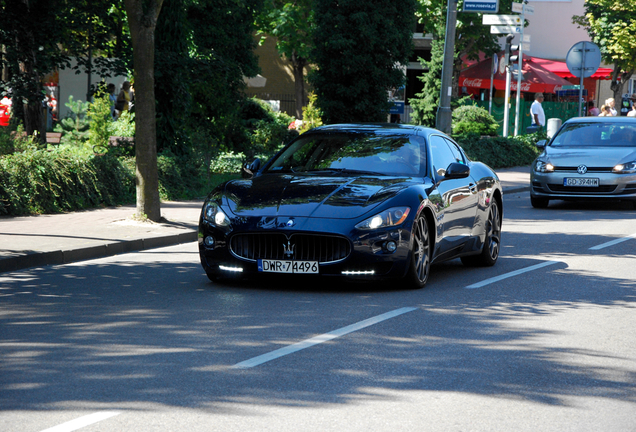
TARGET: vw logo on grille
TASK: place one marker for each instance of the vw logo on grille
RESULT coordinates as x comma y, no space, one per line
582,169
290,223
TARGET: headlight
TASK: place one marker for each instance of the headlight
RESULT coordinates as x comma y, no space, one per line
213,213
544,167
625,168
391,217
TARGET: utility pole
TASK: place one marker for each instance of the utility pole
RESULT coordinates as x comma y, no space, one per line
443,121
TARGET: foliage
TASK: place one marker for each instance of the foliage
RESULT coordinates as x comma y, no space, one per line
360,49
100,120
500,152
473,119
471,39
290,23
425,105
611,25
75,125
266,130
312,116
40,36
36,182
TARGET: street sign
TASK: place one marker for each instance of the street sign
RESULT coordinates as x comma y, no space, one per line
504,29
583,59
522,8
484,6
526,37
525,46
501,20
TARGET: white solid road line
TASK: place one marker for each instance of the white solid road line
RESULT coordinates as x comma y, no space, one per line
255,361
84,421
511,274
613,242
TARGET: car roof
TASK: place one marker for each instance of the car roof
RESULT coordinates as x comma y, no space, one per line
396,128
605,119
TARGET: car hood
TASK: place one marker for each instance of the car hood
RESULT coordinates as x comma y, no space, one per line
310,196
590,156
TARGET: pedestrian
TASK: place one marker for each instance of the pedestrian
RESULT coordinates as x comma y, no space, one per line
113,101
536,111
632,113
605,111
123,99
592,110
611,103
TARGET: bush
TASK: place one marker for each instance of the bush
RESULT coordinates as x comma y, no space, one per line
36,182
500,152
471,119
267,130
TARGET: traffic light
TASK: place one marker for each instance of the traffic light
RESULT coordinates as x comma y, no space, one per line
512,51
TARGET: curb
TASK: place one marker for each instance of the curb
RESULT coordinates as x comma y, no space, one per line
40,259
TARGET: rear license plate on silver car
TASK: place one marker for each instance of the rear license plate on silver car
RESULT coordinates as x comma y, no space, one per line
280,266
584,182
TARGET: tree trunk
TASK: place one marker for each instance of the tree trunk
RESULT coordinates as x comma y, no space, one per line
619,79
142,29
298,65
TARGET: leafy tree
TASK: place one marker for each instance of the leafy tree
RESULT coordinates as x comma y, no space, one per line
30,33
290,22
611,25
425,105
142,19
472,38
360,50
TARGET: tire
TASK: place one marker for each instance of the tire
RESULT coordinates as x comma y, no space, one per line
420,265
539,202
492,243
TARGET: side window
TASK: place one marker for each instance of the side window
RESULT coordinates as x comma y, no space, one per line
459,156
441,153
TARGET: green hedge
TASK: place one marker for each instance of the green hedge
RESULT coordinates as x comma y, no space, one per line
35,182
499,152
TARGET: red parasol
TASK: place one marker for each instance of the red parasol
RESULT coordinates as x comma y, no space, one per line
536,78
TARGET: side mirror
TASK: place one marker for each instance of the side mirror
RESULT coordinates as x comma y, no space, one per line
249,169
456,170
541,144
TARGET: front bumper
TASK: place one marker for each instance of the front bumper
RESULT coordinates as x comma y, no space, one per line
610,186
367,259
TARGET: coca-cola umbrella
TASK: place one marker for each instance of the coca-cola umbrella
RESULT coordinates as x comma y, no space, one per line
535,77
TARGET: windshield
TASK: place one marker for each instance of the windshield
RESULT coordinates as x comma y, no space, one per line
352,153
596,135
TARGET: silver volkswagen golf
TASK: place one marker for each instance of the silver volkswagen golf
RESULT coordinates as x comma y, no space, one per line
590,158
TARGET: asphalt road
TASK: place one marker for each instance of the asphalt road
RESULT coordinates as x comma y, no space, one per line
543,341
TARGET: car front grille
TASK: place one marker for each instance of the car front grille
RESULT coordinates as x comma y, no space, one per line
586,190
305,247
574,169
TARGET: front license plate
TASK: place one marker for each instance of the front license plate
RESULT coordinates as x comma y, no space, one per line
585,182
280,266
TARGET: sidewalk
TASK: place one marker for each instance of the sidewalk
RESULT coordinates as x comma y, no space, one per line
34,241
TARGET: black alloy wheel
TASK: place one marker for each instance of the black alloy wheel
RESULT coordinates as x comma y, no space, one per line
492,243
420,267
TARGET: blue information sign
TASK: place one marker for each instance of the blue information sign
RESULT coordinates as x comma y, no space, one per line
488,6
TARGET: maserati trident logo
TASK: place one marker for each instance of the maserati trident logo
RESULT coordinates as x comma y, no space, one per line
582,169
288,249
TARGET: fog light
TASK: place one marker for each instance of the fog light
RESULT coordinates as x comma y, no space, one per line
390,246
231,269
358,272
209,241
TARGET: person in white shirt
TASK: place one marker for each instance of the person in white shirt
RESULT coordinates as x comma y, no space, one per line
632,113
536,111
611,103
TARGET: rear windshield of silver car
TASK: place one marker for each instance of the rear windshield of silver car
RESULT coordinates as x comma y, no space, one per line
354,153
596,135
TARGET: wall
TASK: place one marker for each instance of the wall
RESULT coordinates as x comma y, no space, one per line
76,85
